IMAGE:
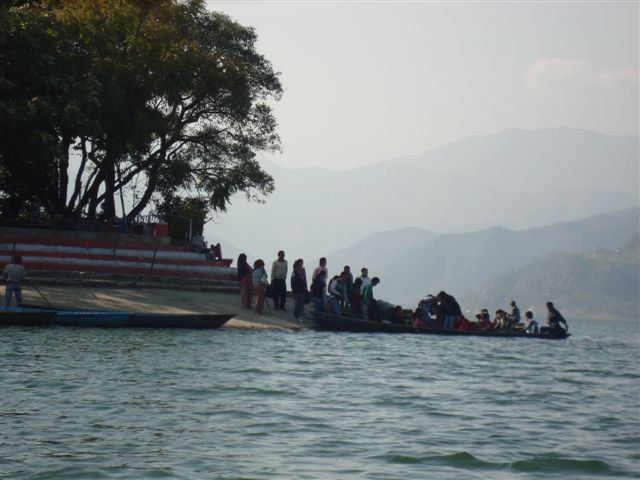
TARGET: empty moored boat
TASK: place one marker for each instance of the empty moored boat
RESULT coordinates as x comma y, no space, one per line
32,316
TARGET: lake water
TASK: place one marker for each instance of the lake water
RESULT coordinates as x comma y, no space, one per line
230,404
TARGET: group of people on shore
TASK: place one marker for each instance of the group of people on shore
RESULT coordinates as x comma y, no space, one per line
341,292
346,294
442,311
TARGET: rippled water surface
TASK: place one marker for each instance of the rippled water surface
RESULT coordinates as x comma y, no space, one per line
228,404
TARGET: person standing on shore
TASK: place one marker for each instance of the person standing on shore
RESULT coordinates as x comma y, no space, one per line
319,291
14,275
244,278
298,288
279,271
365,279
260,282
322,267
347,286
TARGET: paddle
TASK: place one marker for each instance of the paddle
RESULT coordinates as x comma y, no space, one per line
38,290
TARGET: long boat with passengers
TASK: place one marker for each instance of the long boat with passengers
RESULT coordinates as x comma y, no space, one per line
45,316
344,323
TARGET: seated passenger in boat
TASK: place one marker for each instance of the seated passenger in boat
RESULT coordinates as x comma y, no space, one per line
397,316
417,319
500,321
428,308
531,326
555,320
484,320
515,312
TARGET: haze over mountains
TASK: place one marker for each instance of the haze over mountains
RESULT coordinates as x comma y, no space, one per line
413,263
468,217
515,179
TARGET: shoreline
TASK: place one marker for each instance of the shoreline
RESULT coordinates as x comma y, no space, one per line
162,300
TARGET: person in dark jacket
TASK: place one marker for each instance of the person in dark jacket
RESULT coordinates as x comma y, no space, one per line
450,309
555,321
319,291
299,289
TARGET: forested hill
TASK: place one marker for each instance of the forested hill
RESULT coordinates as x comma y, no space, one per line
602,284
415,262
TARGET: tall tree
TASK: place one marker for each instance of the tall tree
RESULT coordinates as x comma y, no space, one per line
161,89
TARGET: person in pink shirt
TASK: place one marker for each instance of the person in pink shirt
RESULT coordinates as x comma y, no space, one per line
322,267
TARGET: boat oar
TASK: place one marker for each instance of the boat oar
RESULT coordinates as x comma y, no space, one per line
38,290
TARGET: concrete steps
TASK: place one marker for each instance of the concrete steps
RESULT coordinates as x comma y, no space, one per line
99,257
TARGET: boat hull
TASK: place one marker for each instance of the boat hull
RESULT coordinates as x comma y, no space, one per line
24,316
14,317
334,323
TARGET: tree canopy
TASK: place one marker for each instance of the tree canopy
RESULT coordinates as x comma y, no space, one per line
160,93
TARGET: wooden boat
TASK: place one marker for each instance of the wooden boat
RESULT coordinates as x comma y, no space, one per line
30,316
183,320
18,317
334,323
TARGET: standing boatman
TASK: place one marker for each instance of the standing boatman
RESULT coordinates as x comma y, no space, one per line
14,275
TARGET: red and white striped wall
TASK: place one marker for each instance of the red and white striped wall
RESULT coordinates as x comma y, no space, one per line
110,257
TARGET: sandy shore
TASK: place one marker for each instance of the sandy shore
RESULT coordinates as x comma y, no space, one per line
165,301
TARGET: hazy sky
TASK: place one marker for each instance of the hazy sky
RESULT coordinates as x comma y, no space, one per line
369,81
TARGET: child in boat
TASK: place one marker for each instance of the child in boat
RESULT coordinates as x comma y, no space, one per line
532,325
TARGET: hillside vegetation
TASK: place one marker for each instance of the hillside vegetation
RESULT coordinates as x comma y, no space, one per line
602,284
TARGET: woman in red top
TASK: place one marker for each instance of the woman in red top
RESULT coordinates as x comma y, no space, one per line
244,277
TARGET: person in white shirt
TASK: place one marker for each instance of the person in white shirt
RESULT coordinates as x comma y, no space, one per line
365,279
14,275
279,271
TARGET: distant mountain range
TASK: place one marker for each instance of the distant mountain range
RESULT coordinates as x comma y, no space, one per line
602,284
516,179
414,262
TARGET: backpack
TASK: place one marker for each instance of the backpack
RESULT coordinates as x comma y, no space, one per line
316,288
